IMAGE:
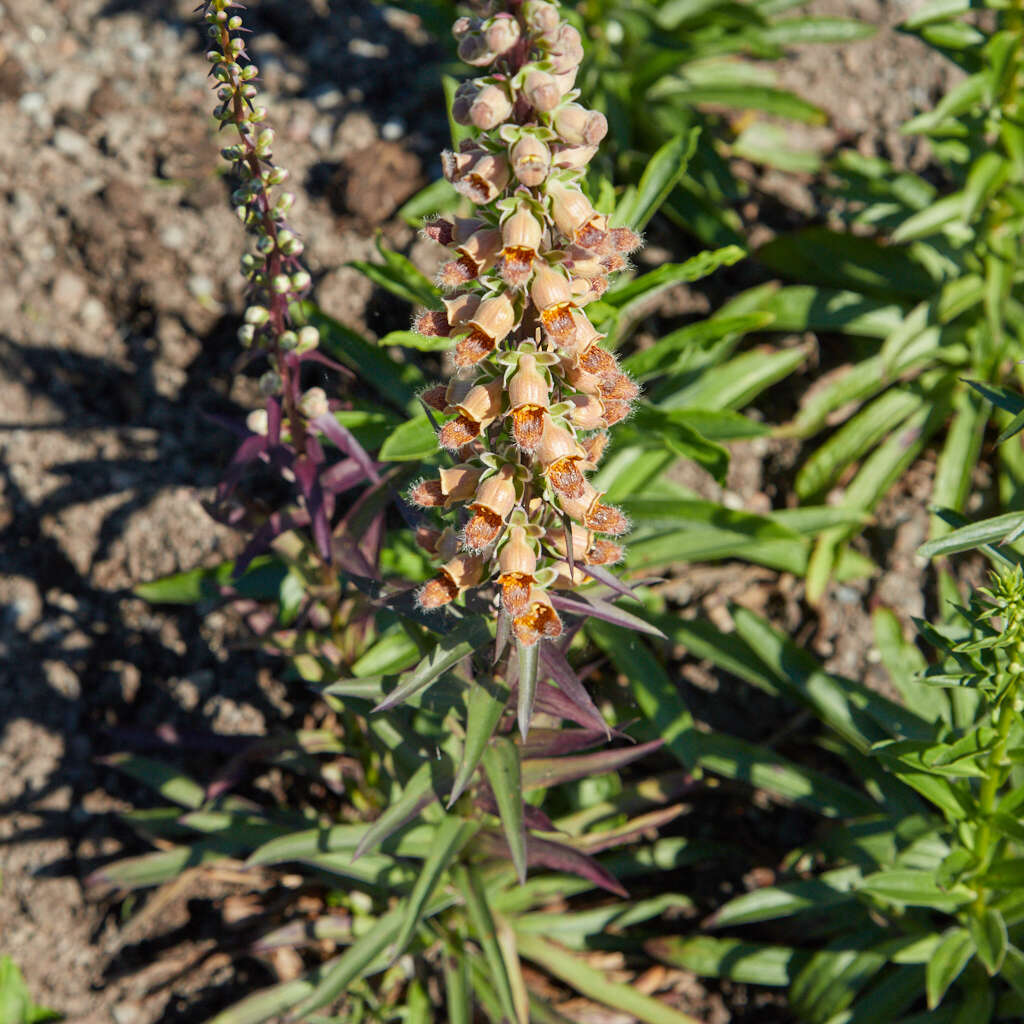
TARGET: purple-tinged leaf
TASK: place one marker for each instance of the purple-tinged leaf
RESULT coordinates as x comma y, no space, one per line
341,476
534,817
247,452
343,438
610,580
544,853
307,476
595,842
228,423
540,773
558,742
555,665
318,357
553,701
594,607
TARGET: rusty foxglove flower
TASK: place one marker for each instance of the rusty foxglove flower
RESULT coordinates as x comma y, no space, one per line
535,389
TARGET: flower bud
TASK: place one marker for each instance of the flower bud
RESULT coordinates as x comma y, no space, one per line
270,383
581,541
618,387
473,50
490,108
258,422
572,158
426,537
501,33
541,91
476,256
435,397
567,577
567,49
313,403
495,498
578,126
593,449
540,619
462,101
531,161
599,362
616,411
309,339
541,18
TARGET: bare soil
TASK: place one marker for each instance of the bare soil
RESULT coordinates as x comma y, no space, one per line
118,253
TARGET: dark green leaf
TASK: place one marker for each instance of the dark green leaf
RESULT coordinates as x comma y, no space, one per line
487,700
501,763
988,930
660,176
946,964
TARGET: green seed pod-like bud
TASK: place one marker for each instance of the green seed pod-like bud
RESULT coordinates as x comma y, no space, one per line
462,101
257,422
288,341
246,335
313,403
309,338
301,281
270,383
257,315
250,72
282,283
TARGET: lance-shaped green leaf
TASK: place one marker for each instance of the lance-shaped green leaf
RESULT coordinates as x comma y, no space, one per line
914,888
501,762
661,357
486,701
417,794
802,307
411,441
171,783
833,888
363,957
458,1001
451,648
733,758
329,927
449,838
528,660
660,176
988,930
595,985
150,869
833,976
482,922
947,962
748,962
271,1002
974,535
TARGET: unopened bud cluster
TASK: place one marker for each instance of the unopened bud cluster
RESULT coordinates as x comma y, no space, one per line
534,391
274,270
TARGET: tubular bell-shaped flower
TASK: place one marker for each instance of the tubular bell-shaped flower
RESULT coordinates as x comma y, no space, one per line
535,390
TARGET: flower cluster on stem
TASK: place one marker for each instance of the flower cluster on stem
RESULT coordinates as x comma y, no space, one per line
533,392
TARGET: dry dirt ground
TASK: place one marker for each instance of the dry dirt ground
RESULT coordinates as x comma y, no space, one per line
120,296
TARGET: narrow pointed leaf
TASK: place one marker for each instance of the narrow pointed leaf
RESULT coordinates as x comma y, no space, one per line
946,964
451,648
595,985
449,839
501,762
558,669
592,607
528,657
482,922
988,930
417,794
541,773
487,700
747,962
660,176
